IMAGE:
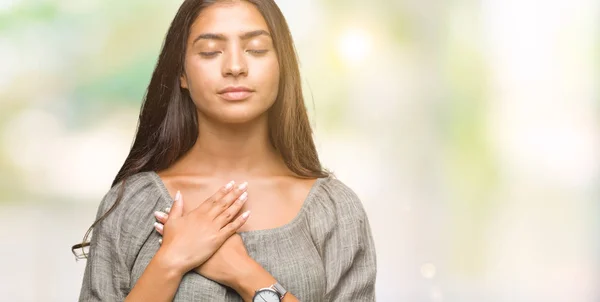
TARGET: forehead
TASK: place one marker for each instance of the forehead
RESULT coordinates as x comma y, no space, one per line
229,18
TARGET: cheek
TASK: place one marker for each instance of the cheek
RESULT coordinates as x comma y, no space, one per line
201,79
270,76
275,83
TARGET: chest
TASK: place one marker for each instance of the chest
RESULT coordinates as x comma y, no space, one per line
272,205
288,254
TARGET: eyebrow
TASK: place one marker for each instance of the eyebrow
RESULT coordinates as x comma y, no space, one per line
221,37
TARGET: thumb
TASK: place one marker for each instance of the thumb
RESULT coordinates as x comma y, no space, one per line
177,208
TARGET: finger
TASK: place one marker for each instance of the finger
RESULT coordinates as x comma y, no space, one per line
222,192
233,226
159,227
161,217
219,206
177,208
230,213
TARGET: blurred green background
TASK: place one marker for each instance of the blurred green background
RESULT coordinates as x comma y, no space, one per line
470,130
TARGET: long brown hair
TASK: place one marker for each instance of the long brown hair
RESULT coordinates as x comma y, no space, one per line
168,122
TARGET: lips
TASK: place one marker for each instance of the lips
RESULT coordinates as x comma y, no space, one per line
235,93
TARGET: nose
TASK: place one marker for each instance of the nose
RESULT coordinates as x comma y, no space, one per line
235,64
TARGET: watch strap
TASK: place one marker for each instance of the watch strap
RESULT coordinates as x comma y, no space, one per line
279,289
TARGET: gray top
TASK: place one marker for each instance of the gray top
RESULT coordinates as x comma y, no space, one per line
326,253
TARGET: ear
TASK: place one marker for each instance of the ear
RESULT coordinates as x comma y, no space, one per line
183,81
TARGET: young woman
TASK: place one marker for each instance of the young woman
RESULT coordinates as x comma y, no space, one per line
223,132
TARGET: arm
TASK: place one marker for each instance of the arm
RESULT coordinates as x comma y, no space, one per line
233,267
252,278
106,276
348,250
351,269
159,282
116,242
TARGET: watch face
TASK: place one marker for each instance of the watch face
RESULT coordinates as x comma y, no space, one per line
266,295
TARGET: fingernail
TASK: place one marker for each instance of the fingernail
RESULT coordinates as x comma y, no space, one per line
178,195
167,210
160,215
160,241
158,226
246,214
243,197
243,185
229,185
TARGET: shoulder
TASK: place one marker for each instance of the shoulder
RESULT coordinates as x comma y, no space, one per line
336,211
135,191
133,201
126,227
334,206
334,199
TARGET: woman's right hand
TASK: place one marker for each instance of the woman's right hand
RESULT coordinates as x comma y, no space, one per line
191,239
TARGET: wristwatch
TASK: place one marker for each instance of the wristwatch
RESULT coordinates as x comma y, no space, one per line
273,293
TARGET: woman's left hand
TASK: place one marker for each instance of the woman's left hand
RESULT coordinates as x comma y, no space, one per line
227,265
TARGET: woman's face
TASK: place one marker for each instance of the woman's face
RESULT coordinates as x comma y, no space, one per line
231,68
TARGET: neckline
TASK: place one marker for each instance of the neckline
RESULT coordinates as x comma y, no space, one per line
167,197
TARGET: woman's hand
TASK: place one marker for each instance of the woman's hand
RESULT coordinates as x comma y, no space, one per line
227,264
231,266
190,240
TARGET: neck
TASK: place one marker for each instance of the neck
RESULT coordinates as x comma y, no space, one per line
231,150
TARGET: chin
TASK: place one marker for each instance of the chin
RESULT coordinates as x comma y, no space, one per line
236,120
239,117
242,112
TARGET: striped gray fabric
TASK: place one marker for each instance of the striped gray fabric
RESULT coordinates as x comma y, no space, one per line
326,253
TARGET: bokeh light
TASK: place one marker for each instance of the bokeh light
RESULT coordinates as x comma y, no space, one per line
354,45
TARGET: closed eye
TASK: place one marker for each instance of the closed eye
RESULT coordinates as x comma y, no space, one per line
209,54
257,51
